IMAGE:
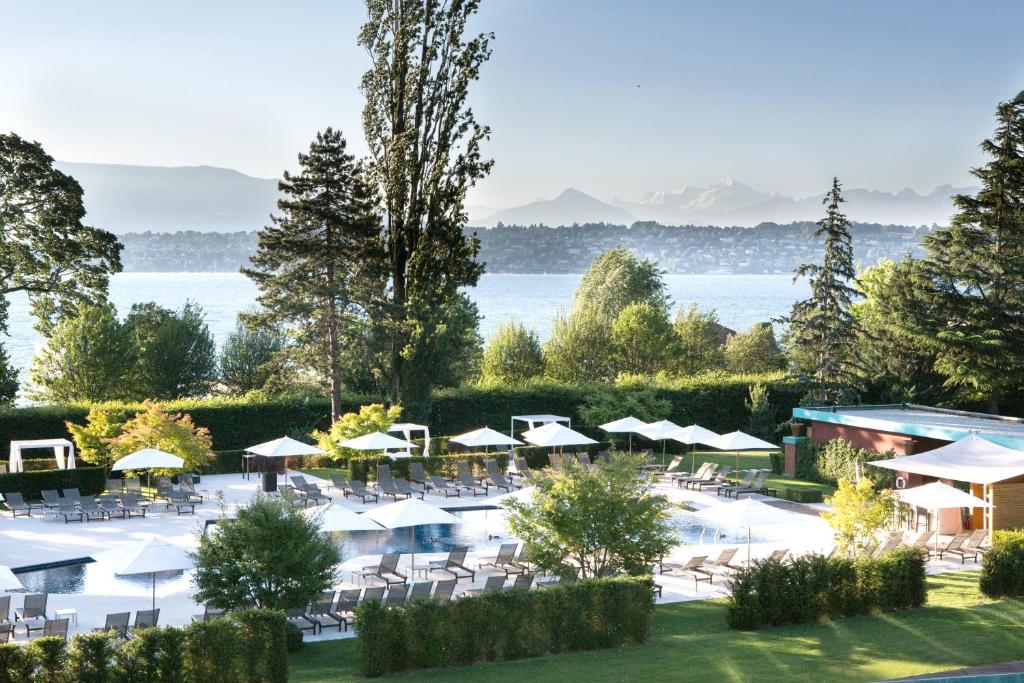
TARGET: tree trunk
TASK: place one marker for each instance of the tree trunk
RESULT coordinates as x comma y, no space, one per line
333,345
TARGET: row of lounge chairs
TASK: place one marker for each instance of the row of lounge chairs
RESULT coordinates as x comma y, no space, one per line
509,561
123,498
122,625
420,483
713,476
33,615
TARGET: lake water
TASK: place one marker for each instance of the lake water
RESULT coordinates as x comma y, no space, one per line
534,300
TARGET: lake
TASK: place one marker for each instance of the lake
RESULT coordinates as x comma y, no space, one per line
534,300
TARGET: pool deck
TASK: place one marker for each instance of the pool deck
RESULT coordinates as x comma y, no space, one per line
27,541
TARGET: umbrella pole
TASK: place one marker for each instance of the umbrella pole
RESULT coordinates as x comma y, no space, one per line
631,443
693,458
412,548
154,590
748,546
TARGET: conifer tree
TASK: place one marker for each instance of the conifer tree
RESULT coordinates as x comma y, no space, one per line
319,264
971,298
822,329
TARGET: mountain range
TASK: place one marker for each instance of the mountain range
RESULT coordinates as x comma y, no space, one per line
209,199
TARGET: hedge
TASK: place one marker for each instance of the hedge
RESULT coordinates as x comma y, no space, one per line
249,647
811,587
1002,567
839,459
90,481
427,634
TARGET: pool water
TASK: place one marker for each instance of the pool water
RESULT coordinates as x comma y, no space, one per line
98,578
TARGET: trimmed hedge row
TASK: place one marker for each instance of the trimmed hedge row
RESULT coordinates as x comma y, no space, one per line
514,624
90,481
1002,568
249,647
810,587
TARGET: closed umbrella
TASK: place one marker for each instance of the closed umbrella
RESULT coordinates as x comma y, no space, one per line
148,459
411,512
626,425
748,513
153,556
8,581
939,496
739,441
693,435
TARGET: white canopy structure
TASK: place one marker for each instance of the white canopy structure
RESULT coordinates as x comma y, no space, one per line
971,459
939,496
533,420
485,436
63,452
378,441
8,581
334,517
147,459
410,512
153,556
556,435
407,428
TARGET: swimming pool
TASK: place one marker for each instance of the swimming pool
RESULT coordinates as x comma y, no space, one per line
97,578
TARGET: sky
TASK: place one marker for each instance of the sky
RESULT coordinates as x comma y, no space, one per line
613,98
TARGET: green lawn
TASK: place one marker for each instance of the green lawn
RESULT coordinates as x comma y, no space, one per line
324,472
692,643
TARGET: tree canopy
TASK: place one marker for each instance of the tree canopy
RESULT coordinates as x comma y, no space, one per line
247,358
618,278
512,355
175,355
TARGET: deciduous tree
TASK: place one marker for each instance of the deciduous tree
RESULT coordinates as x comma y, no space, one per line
643,339
699,340
859,513
618,278
580,347
247,358
175,355
173,433
753,351
512,355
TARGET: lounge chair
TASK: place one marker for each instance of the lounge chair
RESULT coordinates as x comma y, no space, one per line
405,487
133,485
493,584
322,612
90,510
117,622
55,628
891,543
420,590
111,504
397,594
51,499
16,504
32,609
778,555
373,593
146,618
694,566
6,633
723,563
440,485
5,609
115,486
131,504
69,511
757,486
920,541
523,582
72,495
188,490
297,617
954,547
584,460
345,609
417,475
358,489
497,479
307,489
386,483
704,473
975,541
209,613
387,570
673,467
555,461
521,468
444,590
468,481
455,564
339,482
748,479
172,498
720,479
505,561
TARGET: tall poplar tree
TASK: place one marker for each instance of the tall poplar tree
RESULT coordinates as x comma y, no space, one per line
319,265
425,144
822,330
973,275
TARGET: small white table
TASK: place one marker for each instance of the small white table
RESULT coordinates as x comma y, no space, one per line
69,612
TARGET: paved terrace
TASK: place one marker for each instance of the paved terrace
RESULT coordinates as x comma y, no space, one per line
29,541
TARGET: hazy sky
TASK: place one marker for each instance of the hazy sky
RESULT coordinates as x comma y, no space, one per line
612,97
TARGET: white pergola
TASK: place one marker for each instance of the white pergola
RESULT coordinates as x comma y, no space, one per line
63,451
407,428
534,421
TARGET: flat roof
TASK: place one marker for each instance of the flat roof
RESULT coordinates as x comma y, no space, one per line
923,421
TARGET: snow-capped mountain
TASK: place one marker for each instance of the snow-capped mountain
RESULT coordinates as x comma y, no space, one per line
572,206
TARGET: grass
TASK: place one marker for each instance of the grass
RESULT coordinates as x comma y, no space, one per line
324,472
692,643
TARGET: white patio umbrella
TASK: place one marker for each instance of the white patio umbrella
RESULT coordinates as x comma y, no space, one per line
627,425
939,496
148,459
285,447
661,430
153,556
556,435
8,581
335,517
485,436
739,441
378,441
693,435
411,512
748,513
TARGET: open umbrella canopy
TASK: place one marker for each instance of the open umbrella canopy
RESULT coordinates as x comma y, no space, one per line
693,434
409,512
376,441
485,436
283,448
555,434
626,424
739,441
940,496
8,581
334,517
148,458
750,512
155,555
972,459
658,431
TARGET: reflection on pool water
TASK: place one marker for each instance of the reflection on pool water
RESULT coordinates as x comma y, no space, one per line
478,528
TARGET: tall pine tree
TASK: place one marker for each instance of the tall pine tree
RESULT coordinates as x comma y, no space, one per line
425,144
822,330
972,288
319,265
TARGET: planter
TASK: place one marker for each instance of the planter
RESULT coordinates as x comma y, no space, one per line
798,428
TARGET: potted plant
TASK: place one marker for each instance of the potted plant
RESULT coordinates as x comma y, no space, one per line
797,428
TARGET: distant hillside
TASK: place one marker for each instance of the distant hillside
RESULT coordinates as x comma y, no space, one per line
572,206
164,199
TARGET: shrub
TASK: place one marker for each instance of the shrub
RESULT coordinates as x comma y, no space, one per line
51,658
175,433
839,459
1002,568
264,651
369,418
17,664
211,651
90,481
89,661
811,587
588,615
